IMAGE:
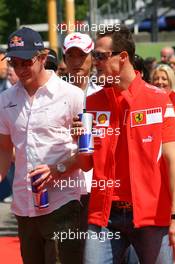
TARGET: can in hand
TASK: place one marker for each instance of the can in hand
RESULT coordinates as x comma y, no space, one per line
40,198
86,140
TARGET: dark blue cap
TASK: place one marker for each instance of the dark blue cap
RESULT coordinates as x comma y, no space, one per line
24,43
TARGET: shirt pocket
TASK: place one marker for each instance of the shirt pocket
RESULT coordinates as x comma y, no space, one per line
57,117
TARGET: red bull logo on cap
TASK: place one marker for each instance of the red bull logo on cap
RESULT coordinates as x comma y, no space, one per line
16,41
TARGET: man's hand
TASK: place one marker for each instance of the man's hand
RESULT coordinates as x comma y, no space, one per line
172,236
48,174
77,127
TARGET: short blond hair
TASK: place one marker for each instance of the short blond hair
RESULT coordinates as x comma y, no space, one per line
169,72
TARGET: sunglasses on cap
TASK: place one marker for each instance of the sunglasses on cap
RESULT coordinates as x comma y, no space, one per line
97,55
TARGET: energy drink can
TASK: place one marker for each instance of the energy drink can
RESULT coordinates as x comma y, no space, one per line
40,198
86,140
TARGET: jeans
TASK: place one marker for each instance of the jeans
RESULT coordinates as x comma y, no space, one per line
50,239
107,245
130,256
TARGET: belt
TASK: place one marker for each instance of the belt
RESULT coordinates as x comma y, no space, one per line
119,205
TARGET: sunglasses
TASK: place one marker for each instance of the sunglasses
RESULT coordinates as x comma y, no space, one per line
22,63
97,55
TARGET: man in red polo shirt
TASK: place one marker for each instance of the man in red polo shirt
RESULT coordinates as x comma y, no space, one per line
140,210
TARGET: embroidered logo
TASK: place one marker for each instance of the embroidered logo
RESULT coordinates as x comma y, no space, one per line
139,117
38,44
148,139
16,41
102,119
146,117
10,105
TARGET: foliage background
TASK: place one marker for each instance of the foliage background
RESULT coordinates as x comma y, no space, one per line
31,12
35,11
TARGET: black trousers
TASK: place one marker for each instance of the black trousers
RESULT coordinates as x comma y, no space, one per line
51,238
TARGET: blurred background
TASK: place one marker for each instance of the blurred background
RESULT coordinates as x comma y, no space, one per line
152,21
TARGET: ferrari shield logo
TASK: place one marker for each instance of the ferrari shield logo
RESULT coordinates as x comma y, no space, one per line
146,117
139,117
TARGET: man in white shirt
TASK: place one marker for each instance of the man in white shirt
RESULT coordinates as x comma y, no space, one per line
36,117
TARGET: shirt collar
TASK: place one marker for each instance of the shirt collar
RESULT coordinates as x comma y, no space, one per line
48,88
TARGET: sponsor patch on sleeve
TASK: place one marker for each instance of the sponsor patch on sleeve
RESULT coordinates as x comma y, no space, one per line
169,111
146,117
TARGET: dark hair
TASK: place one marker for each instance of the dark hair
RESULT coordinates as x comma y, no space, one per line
122,39
139,65
52,60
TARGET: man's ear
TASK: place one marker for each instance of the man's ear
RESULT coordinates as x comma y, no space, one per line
43,58
123,56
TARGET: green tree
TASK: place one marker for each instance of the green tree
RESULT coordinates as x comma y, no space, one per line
3,22
33,12
81,10
28,12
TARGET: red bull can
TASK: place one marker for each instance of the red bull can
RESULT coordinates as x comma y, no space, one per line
86,140
40,198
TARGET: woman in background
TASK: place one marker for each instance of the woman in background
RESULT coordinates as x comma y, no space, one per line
163,77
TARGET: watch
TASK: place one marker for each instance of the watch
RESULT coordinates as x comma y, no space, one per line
61,167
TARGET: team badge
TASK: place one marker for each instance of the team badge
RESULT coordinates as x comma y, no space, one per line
16,41
146,117
139,117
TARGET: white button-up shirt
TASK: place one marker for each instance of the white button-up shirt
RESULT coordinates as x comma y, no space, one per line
40,134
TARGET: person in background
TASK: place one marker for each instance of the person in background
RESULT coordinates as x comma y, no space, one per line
4,83
165,54
62,70
11,75
172,63
77,48
12,78
163,77
150,64
139,65
52,60
6,184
